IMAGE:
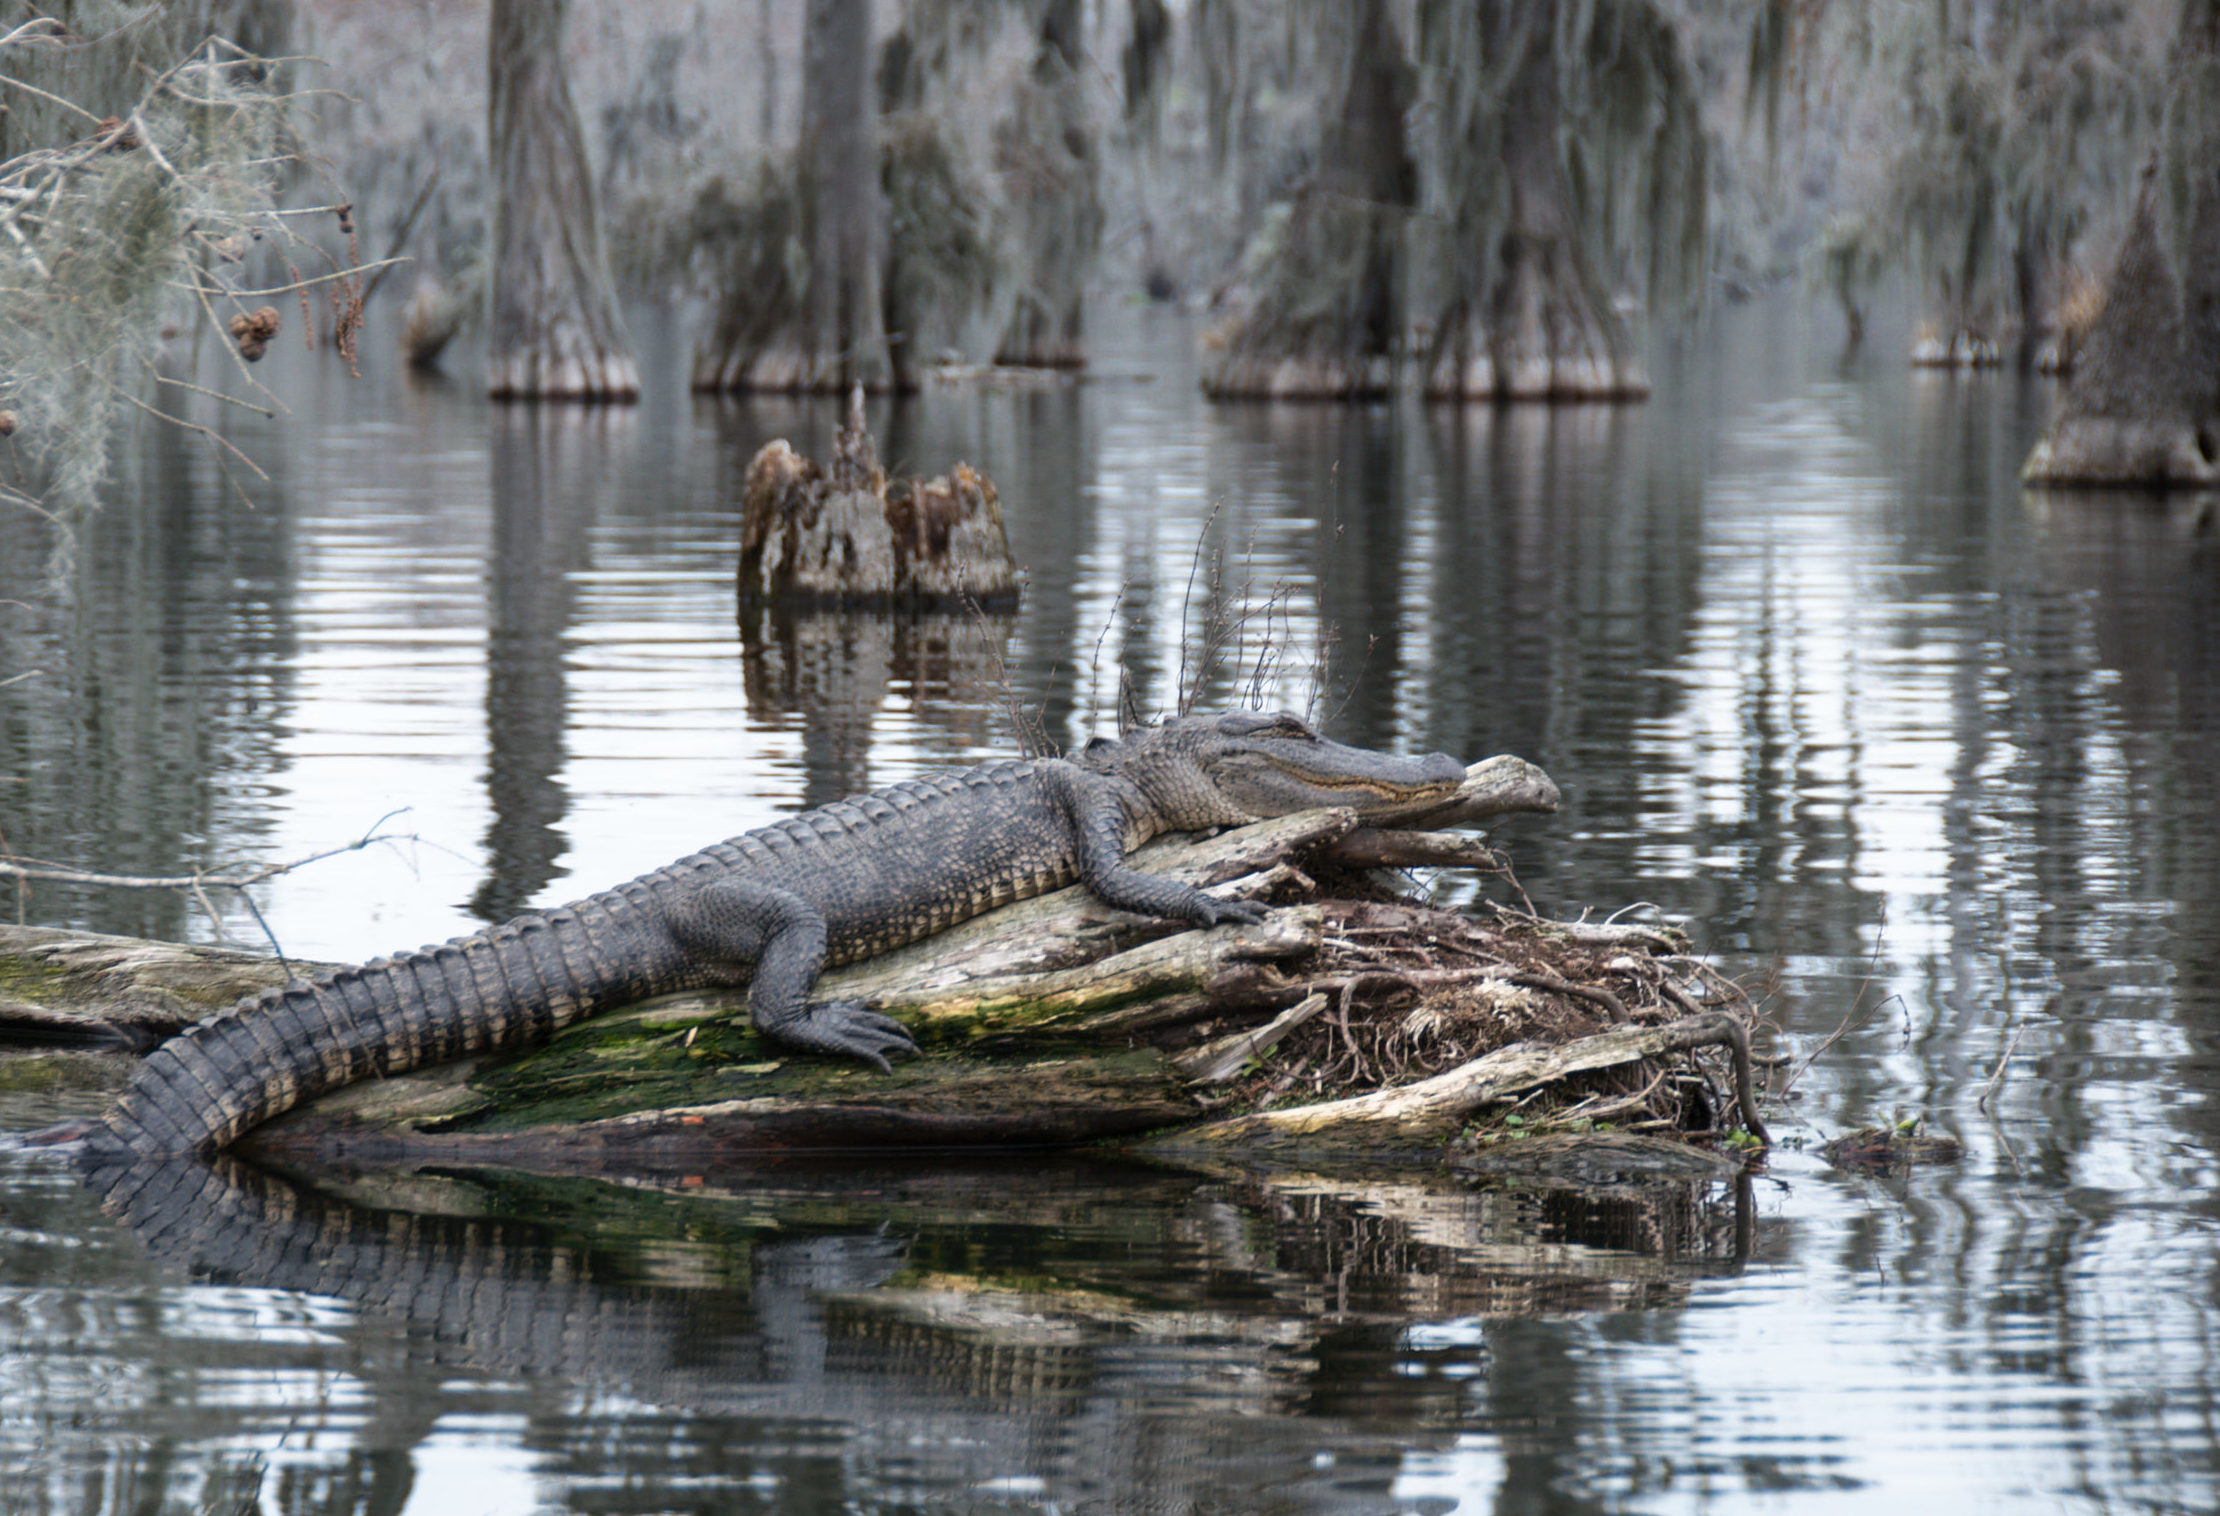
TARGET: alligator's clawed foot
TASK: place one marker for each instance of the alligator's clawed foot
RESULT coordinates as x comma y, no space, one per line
849,1029
1235,912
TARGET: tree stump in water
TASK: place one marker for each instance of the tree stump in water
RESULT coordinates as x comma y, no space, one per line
843,537
2143,406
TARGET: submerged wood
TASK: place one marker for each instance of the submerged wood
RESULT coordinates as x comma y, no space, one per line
1056,1020
843,535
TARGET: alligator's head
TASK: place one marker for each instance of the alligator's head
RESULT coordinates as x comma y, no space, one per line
1224,770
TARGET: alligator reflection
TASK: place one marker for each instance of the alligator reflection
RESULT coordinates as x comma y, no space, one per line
1095,1334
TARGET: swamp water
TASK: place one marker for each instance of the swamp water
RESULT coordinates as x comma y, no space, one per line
1923,758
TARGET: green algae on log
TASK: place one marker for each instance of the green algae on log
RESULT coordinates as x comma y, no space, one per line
85,988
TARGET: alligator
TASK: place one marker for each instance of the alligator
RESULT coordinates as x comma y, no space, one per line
770,909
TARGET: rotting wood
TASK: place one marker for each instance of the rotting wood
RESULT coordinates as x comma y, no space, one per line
1216,1062
1375,847
63,986
842,536
1431,1110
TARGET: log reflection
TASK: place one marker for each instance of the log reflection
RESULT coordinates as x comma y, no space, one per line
1120,1335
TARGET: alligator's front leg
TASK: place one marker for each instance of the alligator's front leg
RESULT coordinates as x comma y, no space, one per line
783,935
1098,830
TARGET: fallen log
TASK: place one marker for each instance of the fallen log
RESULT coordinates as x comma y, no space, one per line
1060,1020
1429,1112
67,988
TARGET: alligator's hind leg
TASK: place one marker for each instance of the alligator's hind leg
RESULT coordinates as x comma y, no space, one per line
783,935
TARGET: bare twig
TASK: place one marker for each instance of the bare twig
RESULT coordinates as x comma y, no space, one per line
1612,1005
1183,697
2003,1065
55,873
1852,1018
32,89
1032,739
245,405
401,236
1094,665
302,283
193,426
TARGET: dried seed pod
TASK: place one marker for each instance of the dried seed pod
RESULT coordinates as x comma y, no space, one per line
252,330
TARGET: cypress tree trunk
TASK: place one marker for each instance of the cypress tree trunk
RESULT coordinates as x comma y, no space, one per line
555,333
829,335
1329,306
1047,155
1541,326
2143,406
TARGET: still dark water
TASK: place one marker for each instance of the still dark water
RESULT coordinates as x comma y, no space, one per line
1904,744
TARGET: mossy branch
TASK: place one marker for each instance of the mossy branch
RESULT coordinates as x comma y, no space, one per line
190,152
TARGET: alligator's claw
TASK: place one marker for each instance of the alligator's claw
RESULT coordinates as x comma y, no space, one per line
853,1030
1235,912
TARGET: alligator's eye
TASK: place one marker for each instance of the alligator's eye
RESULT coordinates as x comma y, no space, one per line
1265,724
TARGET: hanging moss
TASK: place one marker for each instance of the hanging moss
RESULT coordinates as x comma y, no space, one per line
1489,190
161,177
2010,140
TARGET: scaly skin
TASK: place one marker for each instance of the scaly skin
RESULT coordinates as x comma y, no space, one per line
770,909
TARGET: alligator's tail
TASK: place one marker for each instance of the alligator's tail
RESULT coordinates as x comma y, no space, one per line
506,987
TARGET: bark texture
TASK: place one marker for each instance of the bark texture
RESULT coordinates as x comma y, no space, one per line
1429,1112
1541,326
1046,154
553,324
2143,406
829,333
1328,309
83,988
842,536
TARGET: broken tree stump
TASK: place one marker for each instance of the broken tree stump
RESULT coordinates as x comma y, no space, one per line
843,537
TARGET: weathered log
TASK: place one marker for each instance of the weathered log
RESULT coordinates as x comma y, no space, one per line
1429,1112
1216,1062
82,988
1495,786
1376,847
